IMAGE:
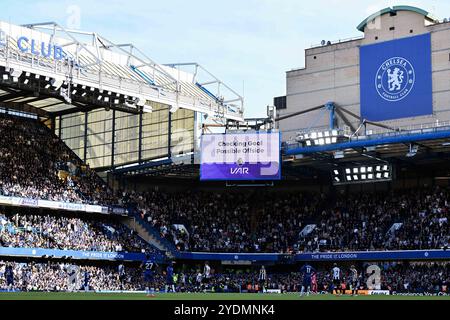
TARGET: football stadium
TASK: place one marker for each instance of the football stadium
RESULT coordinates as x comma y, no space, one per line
125,179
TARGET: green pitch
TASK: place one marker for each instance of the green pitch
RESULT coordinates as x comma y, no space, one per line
197,296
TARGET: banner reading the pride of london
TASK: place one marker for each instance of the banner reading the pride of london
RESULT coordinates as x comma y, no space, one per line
396,79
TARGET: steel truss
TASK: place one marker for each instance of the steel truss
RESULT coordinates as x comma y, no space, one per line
86,66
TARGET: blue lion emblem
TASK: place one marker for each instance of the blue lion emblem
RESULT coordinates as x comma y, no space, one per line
395,79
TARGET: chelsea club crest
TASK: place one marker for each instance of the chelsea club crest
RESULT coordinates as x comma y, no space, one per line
395,79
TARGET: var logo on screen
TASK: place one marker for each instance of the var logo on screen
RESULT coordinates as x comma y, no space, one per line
395,79
240,169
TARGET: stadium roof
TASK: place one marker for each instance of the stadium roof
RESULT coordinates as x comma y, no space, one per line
431,144
394,9
56,71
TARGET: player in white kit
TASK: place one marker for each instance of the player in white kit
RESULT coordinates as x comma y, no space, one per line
336,276
206,276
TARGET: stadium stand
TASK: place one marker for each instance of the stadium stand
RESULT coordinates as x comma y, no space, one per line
35,164
397,278
54,277
27,230
273,221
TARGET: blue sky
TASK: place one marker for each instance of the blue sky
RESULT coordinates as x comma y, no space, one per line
249,44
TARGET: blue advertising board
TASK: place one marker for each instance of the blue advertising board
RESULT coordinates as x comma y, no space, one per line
74,254
375,255
211,256
395,79
398,255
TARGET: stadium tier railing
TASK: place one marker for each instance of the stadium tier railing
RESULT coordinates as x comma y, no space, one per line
59,205
333,42
77,255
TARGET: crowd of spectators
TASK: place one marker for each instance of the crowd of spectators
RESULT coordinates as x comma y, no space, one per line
213,222
274,221
367,222
395,277
418,277
48,277
36,164
68,233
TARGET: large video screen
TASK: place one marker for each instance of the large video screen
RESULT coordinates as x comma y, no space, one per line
240,156
396,79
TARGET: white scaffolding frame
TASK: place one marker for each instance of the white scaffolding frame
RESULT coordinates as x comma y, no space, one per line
168,90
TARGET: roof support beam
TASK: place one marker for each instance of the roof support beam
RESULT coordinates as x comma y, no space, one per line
12,96
295,114
79,108
51,105
27,108
405,138
345,119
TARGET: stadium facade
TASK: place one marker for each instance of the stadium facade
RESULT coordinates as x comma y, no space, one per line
337,72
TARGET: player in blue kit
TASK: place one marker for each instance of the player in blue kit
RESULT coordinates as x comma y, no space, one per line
9,275
307,272
149,266
122,275
87,277
169,278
